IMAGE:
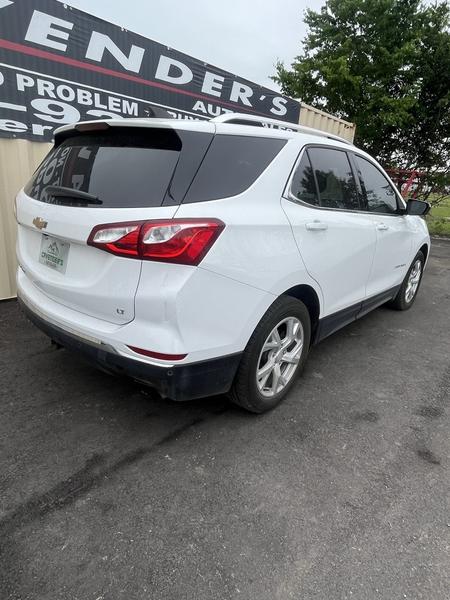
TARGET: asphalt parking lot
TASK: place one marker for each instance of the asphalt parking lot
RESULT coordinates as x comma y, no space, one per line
108,492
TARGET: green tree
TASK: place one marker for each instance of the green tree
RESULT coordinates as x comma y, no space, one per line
384,65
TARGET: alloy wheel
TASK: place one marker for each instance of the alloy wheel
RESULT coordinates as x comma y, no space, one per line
279,356
413,281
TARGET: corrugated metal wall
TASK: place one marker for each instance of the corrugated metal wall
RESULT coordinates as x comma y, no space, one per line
18,160
313,117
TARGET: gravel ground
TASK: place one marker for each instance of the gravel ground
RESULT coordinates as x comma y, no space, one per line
107,492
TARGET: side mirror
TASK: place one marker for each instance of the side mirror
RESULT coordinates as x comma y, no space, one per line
417,207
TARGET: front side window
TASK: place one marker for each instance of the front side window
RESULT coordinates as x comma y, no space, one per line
303,185
379,193
337,188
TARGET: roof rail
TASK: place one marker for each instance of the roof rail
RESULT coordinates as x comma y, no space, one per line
244,119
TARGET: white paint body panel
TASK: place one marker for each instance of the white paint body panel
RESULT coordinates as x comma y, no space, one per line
396,243
339,257
211,310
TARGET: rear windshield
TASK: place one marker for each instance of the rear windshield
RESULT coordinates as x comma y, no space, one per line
232,164
122,169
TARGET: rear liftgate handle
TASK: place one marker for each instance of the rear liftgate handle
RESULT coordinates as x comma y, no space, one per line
316,226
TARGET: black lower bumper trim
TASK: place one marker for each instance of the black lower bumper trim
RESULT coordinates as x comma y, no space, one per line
180,382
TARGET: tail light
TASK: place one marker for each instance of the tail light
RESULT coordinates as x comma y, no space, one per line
182,241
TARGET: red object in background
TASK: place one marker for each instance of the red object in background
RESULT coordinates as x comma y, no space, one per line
404,179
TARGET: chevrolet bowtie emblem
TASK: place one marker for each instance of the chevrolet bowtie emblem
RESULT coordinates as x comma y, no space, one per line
40,223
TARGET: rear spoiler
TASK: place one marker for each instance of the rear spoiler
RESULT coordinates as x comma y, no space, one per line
68,131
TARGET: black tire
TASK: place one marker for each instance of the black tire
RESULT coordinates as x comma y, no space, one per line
245,391
400,301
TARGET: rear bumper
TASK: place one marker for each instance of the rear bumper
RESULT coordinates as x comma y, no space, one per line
178,382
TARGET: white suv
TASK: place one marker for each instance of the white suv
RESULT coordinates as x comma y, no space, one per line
204,258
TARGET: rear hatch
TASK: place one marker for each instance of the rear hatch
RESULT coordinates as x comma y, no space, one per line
98,174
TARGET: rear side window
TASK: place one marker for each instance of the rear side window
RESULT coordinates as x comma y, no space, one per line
137,168
334,176
303,185
231,165
379,193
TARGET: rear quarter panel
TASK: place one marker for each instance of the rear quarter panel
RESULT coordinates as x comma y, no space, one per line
257,246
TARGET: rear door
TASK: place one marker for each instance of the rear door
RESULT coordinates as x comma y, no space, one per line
116,175
393,231
336,242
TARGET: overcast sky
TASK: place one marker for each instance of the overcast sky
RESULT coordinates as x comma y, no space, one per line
241,36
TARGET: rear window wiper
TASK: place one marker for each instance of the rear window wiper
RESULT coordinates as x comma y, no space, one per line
60,191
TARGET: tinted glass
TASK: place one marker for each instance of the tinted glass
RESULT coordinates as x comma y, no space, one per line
335,180
379,192
122,169
303,185
231,165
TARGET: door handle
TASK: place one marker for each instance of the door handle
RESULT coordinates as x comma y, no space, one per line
316,226
382,226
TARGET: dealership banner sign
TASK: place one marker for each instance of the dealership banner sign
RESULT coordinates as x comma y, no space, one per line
60,65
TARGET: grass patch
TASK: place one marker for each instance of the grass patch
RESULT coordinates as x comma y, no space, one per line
439,218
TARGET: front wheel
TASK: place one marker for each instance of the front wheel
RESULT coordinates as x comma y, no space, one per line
273,357
408,290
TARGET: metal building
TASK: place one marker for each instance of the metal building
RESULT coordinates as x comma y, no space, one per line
18,160
319,119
